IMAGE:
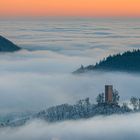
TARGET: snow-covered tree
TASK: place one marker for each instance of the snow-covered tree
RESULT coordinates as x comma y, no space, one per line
100,98
116,96
135,102
125,107
139,104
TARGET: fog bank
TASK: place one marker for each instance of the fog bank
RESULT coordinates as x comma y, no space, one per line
122,127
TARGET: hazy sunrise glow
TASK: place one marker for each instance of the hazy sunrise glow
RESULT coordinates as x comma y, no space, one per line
69,8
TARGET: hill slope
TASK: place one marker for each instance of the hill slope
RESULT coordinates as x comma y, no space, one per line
83,109
126,62
7,46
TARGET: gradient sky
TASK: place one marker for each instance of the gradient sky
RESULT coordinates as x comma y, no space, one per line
70,8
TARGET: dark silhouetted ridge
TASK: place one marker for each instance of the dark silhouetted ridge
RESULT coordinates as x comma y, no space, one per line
7,46
126,62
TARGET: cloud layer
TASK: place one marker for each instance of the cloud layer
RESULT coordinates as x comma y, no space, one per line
37,79
113,127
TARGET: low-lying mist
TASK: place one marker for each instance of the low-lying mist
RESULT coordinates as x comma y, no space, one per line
36,80
122,127
42,77
32,81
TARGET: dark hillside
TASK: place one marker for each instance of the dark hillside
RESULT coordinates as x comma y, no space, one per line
7,46
126,62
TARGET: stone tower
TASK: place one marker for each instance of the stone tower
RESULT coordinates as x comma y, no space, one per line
108,93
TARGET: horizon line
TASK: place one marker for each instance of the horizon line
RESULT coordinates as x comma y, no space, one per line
69,17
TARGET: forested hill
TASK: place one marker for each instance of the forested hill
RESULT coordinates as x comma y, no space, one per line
126,62
7,46
83,109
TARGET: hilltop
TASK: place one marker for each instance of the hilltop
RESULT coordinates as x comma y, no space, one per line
107,104
7,46
126,62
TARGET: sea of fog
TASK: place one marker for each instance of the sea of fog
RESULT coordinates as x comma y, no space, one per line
40,75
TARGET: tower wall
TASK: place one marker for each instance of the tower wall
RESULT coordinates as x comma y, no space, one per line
108,93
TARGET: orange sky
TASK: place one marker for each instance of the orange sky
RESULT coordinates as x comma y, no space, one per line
70,8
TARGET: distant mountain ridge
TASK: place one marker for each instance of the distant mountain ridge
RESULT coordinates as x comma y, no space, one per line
126,62
7,46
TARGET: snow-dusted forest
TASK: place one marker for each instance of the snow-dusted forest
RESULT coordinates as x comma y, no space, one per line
83,109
